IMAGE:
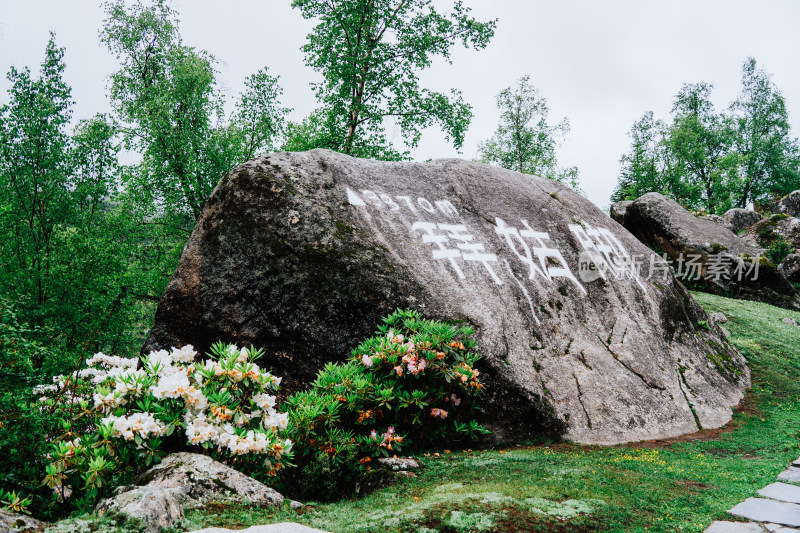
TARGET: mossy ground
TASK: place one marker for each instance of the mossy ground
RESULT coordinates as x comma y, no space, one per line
678,485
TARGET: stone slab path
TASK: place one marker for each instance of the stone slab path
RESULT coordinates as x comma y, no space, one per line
777,511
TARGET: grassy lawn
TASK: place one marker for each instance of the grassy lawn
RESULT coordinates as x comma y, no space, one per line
679,485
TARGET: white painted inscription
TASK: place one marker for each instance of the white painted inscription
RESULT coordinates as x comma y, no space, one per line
466,249
455,243
551,263
610,256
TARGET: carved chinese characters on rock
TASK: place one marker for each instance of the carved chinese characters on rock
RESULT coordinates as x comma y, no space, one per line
538,259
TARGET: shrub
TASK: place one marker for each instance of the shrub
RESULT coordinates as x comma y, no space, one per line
778,250
411,386
24,428
123,417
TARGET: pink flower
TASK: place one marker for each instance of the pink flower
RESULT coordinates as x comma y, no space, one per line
455,400
441,413
399,370
367,360
374,434
390,430
423,364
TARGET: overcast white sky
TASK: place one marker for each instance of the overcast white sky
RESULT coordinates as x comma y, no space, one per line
602,64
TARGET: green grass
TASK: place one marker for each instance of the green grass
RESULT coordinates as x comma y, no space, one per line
662,486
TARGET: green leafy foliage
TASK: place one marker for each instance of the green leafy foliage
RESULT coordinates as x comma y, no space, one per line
410,387
712,160
165,94
778,249
369,54
24,428
524,140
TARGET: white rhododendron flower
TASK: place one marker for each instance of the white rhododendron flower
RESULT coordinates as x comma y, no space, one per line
173,385
264,401
183,355
142,424
240,418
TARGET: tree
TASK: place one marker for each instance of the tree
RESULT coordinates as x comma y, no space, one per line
33,165
642,166
370,53
165,93
700,139
715,161
768,155
64,257
524,140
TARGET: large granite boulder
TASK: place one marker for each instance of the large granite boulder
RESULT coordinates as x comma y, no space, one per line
764,233
789,205
303,253
707,255
741,219
184,481
790,267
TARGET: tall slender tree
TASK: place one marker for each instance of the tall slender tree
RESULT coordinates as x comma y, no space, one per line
768,154
370,53
700,139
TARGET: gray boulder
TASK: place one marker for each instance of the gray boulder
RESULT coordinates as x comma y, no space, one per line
707,255
14,523
396,464
790,267
303,253
789,205
741,219
716,219
769,229
618,210
184,481
719,318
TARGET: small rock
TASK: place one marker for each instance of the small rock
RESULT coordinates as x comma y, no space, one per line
13,522
733,527
618,210
183,481
719,318
789,205
725,332
741,219
763,510
399,463
294,504
155,506
716,219
789,320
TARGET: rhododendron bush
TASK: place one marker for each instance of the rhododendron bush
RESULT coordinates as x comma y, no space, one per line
412,386
127,413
